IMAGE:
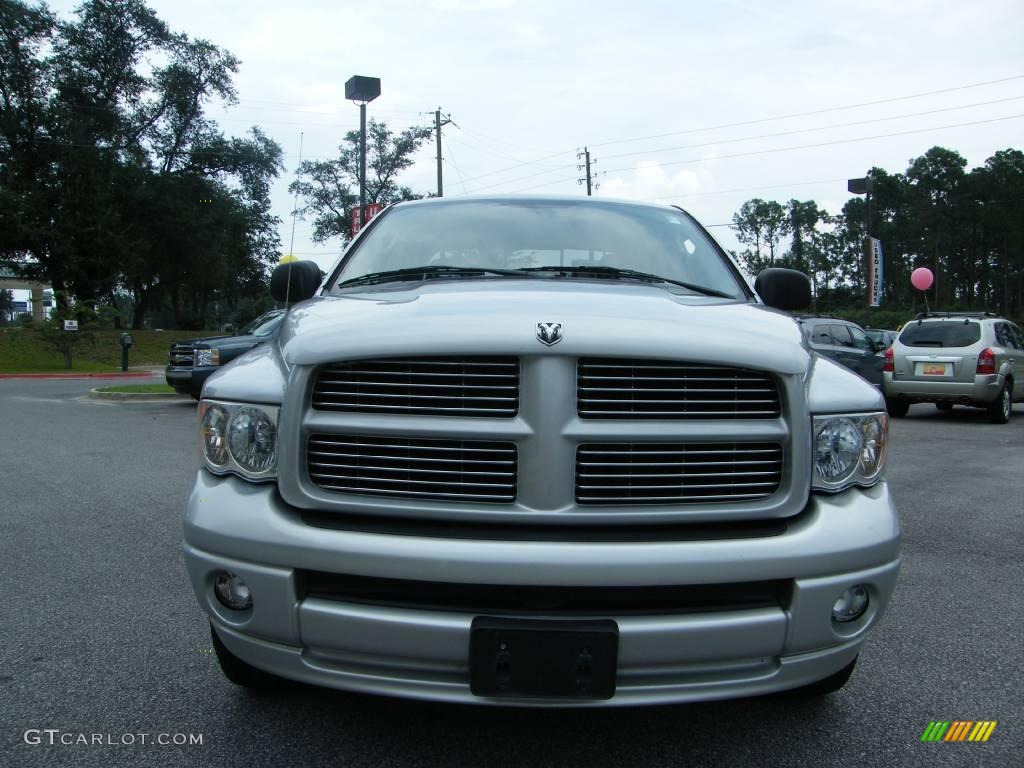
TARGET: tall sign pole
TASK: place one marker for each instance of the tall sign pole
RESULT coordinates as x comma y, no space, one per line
362,90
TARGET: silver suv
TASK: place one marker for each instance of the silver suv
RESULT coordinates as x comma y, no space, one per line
956,358
541,451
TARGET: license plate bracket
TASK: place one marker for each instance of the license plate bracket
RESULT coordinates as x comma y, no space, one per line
542,658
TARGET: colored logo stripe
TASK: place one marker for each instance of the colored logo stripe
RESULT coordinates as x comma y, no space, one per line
959,730
982,730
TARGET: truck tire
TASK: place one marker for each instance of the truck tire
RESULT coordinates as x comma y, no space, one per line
896,407
242,673
1000,409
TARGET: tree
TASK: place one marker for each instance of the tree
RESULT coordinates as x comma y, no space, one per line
760,225
6,305
107,159
330,188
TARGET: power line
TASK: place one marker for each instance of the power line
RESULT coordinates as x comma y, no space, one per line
824,143
817,128
495,153
496,140
785,149
455,166
813,112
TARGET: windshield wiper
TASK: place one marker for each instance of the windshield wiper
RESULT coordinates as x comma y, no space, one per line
427,272
629,273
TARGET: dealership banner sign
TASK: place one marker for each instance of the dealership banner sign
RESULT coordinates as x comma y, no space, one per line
876,276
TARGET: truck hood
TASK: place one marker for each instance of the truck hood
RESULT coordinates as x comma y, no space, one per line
487,317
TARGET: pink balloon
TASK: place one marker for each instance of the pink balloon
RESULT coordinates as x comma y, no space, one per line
922,278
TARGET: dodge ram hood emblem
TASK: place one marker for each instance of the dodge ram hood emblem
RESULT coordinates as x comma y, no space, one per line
549,333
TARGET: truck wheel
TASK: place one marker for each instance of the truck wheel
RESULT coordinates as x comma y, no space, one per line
830,684
897,408
240,672
1001,408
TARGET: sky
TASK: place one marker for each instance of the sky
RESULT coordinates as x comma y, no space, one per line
701,105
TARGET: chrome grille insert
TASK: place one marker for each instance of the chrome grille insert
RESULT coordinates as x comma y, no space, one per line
608,388
443,470
182,355
466,386
676,473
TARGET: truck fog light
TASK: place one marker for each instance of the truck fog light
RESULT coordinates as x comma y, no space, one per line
232,591
851,605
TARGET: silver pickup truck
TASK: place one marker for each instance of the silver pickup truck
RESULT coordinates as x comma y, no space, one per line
540,451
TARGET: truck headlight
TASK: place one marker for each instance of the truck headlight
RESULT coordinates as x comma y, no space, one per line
240,438
252,439
849,449
207,357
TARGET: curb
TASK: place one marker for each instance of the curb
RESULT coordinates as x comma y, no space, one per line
95,394
113,375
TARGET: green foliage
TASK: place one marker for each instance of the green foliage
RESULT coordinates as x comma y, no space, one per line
330,189
760,225
112,179
966,226
6,305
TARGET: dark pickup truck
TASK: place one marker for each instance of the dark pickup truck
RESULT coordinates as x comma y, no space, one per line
191,362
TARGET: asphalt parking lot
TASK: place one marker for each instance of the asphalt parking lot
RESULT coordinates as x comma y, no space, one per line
101,633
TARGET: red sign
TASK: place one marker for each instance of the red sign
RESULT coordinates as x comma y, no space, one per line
372,209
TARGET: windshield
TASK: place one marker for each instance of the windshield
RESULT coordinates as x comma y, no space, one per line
530,234
941,334
263,325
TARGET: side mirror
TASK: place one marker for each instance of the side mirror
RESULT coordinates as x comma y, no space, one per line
783,288
295,281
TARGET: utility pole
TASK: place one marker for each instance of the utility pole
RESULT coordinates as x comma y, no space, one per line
587,162
438,122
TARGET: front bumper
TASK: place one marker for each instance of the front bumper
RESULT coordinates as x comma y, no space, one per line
839,541
982,390
188,381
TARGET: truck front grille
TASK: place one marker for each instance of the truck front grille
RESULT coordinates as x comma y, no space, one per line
676,473
465,386
182,355
442,470
609,388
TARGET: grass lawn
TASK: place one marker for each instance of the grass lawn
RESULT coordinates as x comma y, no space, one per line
141,389
21,351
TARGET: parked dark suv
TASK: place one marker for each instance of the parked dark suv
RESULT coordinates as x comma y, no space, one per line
191,362
846,343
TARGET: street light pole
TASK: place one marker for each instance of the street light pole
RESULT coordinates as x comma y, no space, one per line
362,90
362,162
